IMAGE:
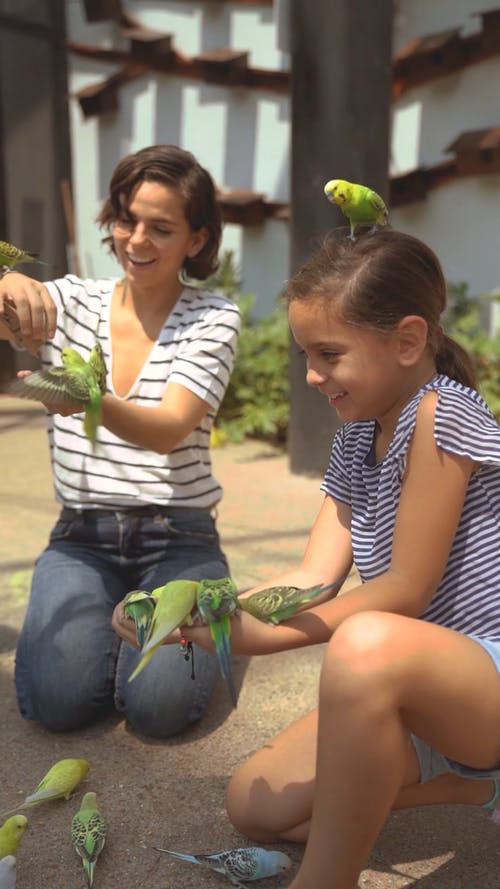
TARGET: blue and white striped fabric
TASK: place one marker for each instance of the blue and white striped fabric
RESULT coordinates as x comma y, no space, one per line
195,348
468,597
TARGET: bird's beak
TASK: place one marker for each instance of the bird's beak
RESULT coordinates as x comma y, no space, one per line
331,193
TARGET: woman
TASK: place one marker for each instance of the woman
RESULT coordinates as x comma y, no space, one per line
137,509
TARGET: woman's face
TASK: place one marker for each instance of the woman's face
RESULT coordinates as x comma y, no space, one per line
152,237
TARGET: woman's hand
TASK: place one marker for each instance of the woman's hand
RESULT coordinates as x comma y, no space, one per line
28,310
124,626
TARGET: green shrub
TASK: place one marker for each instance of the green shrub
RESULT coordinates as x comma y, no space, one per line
257,400
464,323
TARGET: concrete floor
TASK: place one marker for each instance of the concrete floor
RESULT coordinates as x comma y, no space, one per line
172,793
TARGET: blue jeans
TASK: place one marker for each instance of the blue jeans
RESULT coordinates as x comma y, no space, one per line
71,667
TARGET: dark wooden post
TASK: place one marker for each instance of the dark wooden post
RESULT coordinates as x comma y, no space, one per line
341,88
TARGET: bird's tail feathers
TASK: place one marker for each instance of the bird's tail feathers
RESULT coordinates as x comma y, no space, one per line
145,659
221,635
10,812
183,856
89,868
93,416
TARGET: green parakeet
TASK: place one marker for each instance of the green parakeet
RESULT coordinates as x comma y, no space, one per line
11,833
140,605
60,781
242,865
277,603
174,603
11,256
360,204
217,601
8,872
88,834
75,381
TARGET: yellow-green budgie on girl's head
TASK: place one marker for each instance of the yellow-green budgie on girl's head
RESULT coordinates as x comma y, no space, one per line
360,204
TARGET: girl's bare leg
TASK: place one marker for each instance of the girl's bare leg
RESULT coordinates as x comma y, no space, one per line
383,677
270,797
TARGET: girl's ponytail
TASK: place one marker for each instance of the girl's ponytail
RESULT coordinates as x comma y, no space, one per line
451,359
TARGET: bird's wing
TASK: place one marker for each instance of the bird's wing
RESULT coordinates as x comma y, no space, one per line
52,386
377,203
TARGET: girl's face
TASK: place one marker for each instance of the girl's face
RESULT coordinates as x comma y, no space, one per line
358,369
152,237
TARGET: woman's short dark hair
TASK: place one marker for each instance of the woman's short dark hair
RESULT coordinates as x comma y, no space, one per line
179,169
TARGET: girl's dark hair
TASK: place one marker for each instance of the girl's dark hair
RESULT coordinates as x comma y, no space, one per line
176,168
376,280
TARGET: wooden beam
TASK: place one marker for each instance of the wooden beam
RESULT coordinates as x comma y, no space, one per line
340,127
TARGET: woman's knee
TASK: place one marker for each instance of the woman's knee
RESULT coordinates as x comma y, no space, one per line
61,694
59,709
164,700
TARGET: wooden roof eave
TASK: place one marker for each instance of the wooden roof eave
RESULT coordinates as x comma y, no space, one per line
174,63
411,70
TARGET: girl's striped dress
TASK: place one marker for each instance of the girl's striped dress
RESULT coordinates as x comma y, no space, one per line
468,597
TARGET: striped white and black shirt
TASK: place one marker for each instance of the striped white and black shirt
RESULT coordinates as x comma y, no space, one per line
468,597
195,348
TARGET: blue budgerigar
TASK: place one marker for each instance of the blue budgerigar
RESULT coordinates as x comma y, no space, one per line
8,872
217,601
241,865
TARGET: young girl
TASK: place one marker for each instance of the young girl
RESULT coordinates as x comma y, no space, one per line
137,510
409,704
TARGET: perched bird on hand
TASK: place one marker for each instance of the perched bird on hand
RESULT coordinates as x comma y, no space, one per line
75,381
10,834
360,204
217,601
140,605
8,872
242,865
277,603
60,781
11,256
174,603
88,834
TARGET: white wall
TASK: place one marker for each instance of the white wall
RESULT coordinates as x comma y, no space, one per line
460,220
243,136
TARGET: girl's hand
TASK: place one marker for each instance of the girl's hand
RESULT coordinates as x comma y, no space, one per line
248,635
28,310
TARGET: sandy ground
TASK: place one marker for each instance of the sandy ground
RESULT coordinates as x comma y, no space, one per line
172,793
